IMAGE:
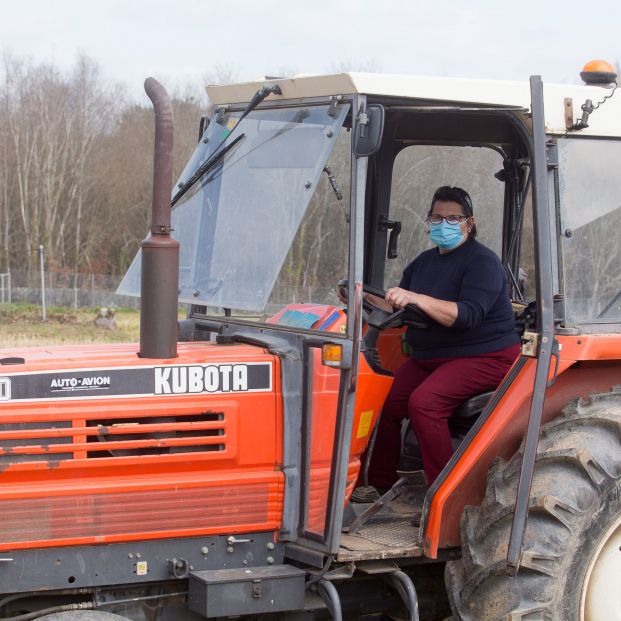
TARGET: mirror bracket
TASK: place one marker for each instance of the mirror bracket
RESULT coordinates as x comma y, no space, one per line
369,130
333,110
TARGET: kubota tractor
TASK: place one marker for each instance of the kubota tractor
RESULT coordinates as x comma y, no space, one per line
210,477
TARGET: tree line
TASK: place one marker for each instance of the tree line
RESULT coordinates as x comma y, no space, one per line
76,155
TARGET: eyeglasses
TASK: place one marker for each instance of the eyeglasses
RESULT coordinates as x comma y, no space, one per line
436,218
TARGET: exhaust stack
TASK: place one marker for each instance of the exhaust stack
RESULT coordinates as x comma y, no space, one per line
159,280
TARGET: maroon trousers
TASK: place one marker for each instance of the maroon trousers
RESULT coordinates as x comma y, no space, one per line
428,392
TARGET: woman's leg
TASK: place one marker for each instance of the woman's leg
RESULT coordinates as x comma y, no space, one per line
387,449
448,386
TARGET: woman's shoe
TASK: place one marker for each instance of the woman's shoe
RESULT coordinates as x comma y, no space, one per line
364,494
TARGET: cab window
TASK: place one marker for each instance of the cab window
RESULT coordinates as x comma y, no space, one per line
418,171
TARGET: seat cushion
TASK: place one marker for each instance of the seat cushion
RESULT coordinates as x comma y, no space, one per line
473,406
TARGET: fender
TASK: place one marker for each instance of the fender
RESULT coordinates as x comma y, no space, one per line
587,364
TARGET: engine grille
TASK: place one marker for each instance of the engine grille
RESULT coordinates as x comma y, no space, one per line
134,435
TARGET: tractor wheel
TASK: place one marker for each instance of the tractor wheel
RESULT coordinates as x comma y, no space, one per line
571,559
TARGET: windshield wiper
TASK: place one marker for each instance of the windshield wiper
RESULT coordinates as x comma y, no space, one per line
333,183
204,168
219,152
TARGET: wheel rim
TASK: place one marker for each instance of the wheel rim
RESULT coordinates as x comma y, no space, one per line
601,595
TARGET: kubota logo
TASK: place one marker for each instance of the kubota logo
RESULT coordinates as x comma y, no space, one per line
201,378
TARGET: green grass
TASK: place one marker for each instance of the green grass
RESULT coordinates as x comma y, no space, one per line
21,325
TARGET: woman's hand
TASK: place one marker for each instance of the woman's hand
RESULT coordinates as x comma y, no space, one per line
442,311
400,298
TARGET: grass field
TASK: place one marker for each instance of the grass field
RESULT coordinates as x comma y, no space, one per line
21,325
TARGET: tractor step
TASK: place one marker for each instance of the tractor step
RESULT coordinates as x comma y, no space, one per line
381,540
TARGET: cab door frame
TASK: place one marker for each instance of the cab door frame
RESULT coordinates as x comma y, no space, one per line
310,545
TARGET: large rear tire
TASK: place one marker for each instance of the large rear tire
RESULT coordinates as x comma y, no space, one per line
571,561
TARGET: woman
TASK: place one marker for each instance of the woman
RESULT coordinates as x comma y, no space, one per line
461,285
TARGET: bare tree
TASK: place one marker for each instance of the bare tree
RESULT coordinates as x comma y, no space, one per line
51,123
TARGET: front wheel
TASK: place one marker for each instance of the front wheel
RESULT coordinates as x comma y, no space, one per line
570,566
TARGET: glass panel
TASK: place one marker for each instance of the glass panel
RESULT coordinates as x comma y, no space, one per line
526,269
236,225
318,256
418,171
324,398
590,187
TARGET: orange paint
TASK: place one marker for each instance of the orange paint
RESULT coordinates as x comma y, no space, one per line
100,470
370,395
502,432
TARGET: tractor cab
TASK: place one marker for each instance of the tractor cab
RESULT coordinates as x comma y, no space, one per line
328,179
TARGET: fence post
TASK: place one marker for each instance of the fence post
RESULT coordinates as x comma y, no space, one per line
92,290
41,262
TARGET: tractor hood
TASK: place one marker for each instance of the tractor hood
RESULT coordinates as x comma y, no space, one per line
187,446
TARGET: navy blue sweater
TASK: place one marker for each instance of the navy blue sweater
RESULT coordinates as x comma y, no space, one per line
473,276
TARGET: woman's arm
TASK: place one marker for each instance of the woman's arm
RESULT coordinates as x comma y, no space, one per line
442,311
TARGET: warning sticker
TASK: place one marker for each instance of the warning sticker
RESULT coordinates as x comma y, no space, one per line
364,426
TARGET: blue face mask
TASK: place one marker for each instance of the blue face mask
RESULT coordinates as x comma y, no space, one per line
446,236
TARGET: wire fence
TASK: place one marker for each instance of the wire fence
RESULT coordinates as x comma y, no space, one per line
87,290
64,289
5,288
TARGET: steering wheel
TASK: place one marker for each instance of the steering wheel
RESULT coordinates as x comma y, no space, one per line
380,318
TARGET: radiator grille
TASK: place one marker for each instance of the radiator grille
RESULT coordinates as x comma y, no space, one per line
138,434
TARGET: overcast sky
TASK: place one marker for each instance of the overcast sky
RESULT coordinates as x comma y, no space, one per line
188,40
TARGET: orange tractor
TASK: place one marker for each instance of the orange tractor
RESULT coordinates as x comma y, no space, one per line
206,473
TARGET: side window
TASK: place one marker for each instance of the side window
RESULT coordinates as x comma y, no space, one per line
590,191
418,171
526,269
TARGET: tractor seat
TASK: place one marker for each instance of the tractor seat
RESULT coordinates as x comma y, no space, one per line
459,424
464,416
473,406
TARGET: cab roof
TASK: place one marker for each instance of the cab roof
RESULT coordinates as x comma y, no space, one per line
605,121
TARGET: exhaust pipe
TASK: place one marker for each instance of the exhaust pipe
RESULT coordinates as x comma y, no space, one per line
159,280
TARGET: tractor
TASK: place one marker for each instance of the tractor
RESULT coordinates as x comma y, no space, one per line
206,472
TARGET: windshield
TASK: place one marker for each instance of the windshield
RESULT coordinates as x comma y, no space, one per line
237,223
